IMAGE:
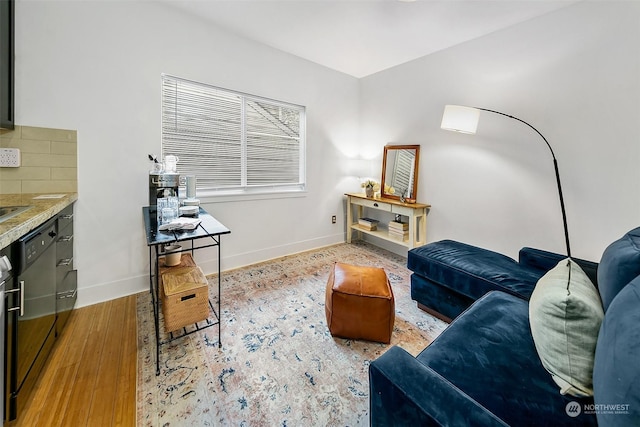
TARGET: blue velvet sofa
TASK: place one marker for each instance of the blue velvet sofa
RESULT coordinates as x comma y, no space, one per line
448,276
484,369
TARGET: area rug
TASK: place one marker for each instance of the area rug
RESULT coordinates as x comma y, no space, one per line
278,364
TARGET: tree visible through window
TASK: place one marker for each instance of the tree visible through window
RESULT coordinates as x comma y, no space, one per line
233,142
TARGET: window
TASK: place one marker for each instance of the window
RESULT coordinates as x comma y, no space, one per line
232,142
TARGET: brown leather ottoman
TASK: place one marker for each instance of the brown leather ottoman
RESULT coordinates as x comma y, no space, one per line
359,303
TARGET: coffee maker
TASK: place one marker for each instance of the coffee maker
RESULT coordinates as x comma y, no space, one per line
162,184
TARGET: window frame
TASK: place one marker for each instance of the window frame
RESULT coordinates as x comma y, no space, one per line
244,189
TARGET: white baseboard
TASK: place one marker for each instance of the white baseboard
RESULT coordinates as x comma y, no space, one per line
121,288
111,290
266,254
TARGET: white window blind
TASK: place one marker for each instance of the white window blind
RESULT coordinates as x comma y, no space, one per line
232,142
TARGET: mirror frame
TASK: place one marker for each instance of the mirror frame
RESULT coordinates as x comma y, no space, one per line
414,190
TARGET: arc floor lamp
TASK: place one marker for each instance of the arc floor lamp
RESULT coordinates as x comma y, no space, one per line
464,119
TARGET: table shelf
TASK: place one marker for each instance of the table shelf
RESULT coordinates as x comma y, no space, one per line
188,330
380,233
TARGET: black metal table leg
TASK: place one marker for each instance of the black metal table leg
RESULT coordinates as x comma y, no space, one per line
219,296
156,312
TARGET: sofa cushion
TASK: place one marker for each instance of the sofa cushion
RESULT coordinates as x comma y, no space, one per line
488,353
565,313
472,271
619,265
616,378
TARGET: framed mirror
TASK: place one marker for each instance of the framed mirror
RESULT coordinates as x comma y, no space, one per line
400,172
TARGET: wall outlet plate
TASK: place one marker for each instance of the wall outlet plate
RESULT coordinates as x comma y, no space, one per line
9,158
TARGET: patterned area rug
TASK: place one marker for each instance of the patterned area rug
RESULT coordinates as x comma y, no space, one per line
278,364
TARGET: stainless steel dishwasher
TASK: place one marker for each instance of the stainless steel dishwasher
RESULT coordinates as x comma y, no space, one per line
31,308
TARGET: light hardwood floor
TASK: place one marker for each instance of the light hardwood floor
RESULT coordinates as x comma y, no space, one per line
90,376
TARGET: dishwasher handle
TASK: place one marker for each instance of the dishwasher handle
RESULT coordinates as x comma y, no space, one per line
20,289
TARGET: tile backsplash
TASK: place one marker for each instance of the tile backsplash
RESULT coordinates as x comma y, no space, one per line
48,161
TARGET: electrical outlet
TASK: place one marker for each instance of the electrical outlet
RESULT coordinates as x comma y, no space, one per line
9,157
333,219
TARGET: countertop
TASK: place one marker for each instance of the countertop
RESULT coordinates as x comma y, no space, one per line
42,209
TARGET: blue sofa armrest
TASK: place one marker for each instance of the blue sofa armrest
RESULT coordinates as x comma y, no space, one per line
403,391
545,261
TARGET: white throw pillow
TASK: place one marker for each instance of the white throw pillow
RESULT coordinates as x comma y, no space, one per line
565,313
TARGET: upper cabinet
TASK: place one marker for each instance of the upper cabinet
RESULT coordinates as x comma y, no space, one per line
7,53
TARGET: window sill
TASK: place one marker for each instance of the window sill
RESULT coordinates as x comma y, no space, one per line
242,197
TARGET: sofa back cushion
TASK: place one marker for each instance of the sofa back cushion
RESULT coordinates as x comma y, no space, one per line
472,271
545,261
619,265
616,373
565,313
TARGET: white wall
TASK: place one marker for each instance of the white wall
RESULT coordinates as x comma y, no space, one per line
575,76
95,67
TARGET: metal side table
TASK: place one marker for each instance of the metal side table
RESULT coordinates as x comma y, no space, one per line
209,229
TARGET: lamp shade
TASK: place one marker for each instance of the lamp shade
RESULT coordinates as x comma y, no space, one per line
460,119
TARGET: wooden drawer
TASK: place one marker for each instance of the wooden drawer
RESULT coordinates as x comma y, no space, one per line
372,203
67,230
65,218
66,296
64,248
403,210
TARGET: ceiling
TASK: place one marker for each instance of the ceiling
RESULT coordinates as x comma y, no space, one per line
362,37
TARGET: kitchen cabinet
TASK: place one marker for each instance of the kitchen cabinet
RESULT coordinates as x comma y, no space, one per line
66,275
7,67
38,303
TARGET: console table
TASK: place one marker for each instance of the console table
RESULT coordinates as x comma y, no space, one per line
209,229
415,212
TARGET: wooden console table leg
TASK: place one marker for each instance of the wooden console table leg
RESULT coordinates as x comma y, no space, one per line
423,229
349,219
360,210
412,232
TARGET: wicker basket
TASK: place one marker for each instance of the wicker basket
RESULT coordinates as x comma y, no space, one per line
186,297
186,261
